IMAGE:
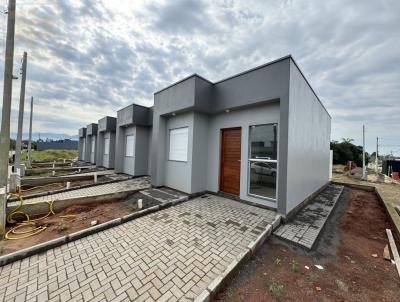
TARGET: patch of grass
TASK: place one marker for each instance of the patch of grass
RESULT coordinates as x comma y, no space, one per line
50,155
62,227
278,261
341,285
294,266
276,289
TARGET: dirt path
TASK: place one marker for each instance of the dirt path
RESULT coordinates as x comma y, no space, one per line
355,231
81,219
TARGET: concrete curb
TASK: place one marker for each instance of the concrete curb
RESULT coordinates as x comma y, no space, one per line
27,197
213,288
44,246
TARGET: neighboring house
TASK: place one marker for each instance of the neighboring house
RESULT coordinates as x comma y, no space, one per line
133,138
390,165
106,142
261,135
57,145
91,140
82,144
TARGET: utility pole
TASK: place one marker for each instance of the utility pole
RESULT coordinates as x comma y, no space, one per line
30,137
363,158
18,145
5,121
376,156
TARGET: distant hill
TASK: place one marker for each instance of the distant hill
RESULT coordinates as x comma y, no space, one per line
44,136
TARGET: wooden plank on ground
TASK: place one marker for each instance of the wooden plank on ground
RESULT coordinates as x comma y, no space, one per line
386,253
393,247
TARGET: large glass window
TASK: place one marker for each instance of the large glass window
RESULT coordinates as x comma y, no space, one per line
178,144
129,145
263,164
106,146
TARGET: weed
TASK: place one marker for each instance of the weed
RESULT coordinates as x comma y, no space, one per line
276,289
278,261
294,266
62,226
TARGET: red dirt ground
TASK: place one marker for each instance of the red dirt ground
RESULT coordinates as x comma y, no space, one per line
350,271
84,215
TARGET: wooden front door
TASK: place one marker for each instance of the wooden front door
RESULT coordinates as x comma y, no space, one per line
230,160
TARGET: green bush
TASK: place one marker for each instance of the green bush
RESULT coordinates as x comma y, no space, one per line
346,151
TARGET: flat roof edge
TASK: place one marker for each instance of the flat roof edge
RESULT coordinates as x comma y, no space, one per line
134,104
255,68
194,75
309,85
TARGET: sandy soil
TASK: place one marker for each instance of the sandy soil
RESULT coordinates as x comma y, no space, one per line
353,234
57,226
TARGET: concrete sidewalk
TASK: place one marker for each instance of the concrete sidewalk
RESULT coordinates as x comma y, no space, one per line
171,255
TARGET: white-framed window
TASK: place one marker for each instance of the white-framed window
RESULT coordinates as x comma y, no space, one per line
263,161
93,144
129,145
106,146
178,144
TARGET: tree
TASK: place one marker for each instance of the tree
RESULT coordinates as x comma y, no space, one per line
346,151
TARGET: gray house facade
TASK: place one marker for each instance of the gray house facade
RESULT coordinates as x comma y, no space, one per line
91,141
105,150
262,135
133,138
82,144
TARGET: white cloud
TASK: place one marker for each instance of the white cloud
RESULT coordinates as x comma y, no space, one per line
86,59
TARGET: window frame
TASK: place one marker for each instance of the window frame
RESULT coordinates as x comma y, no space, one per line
187,145
106,150
261,160
126,145
92,144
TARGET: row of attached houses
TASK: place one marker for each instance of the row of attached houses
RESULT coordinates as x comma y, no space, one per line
262,135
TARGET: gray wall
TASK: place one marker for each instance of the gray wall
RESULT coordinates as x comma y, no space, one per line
309,138
81,148
178,174
88,152
142,151
128,165
81,143
105,160
263,114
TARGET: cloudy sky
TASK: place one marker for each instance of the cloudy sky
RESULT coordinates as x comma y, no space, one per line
88,58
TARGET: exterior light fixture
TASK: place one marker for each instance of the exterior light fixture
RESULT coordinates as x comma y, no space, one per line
227,110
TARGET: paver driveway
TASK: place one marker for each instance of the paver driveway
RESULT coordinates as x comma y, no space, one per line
173,254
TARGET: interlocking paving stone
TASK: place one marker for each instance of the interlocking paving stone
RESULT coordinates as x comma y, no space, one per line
308,223
141,260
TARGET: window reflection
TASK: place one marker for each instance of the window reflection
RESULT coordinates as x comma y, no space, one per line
263,160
